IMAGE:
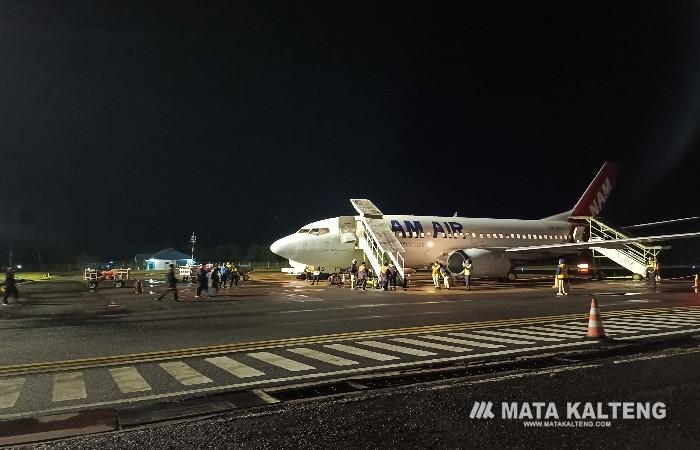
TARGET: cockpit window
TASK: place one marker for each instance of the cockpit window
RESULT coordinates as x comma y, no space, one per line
303,230
319,231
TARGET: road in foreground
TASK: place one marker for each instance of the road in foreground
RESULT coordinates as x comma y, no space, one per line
437,415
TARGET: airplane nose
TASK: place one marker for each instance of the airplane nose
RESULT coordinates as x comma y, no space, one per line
280,247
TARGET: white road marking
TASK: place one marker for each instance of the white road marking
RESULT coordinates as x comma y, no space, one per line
490,338
184,374
544,332
234,367
397,348
129,380
435,345
280,361
267,398
324,357
641,322
461,341
10,389
676,319
294,378
517,336
68,386
361,352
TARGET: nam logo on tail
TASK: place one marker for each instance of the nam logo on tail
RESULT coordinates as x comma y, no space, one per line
601,196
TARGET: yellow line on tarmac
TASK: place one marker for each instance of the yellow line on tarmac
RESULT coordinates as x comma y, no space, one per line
55,366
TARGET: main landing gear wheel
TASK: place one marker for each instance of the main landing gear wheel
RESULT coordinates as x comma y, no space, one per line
512,276
335,279
119,284
91,285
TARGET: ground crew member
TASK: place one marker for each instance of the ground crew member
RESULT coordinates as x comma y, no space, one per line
10,287
171,282
695,285
224,276
436,274
445,276
467,265
353,274
316,275
562,277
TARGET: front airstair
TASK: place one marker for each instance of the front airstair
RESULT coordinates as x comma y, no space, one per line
376,239
633,256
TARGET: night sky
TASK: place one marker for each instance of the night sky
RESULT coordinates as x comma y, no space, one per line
125,126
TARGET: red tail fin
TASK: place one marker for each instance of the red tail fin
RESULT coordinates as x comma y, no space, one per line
593,200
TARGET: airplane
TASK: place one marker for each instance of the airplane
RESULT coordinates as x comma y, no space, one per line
495,246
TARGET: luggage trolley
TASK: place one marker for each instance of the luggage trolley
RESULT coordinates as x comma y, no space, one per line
93,277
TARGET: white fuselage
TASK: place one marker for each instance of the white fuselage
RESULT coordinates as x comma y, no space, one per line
424,238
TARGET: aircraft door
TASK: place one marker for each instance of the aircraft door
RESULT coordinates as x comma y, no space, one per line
348,229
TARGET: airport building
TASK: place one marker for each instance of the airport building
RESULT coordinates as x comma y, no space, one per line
160,260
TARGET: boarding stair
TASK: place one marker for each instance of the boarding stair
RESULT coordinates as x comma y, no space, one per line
376,239
632,256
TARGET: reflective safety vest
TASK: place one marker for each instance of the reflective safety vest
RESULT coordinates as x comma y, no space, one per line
384,269
562,272
467,268
436,269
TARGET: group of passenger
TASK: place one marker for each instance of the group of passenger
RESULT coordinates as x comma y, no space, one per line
209,280
218,277
360,274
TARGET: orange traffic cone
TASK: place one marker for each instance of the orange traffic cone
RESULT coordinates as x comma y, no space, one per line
595,324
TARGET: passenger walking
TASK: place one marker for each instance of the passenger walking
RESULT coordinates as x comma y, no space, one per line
202,281
171,282
235,275
214,281
468,267
445,276
10,287
436,274
353,274
224,276
562,277
384,277
362,276
651,273
393,275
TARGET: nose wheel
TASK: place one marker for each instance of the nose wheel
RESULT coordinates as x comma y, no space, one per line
512,276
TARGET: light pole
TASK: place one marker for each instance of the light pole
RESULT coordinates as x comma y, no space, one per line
193,240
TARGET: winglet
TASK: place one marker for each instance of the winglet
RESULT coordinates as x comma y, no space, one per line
593,200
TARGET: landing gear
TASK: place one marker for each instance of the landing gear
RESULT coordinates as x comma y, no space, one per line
334,279
512,276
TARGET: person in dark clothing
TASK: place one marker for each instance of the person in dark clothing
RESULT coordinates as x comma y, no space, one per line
10,287
171,282
235,275
202,281
393,275
215,281
224,276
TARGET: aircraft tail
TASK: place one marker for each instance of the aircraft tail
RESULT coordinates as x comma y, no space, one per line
597,193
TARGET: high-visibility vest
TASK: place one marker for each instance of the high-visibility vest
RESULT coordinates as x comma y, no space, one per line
436,269
467,269
563,272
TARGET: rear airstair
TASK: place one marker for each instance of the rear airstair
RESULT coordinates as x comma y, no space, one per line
634,257
376,239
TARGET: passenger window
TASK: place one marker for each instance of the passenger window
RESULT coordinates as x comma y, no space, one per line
473,235
415,234
488,235
481,235
518,235
444,235
500,235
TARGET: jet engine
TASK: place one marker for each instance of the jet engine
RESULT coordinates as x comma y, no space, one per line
486,263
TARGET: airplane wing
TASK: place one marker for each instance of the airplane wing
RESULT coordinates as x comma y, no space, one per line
611,243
